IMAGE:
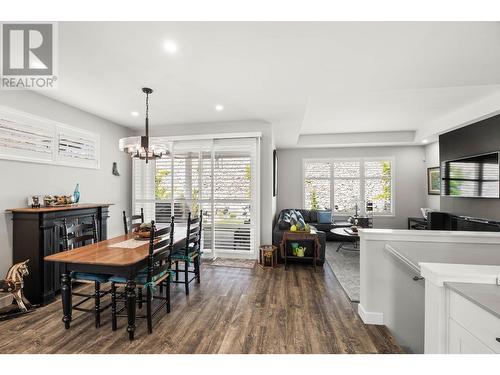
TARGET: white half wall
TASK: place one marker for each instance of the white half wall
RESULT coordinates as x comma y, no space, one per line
431,160
21,179
390,295
409,177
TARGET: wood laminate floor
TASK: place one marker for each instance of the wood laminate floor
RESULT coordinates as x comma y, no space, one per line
234,310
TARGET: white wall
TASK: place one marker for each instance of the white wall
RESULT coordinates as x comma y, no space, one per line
267,202
409,175
21,179
431,160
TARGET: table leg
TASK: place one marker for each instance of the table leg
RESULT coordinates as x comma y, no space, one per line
67,302
130,292
315,256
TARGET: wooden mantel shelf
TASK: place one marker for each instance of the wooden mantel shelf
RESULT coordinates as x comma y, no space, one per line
56,208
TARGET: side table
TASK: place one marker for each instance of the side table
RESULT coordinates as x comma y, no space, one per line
300,236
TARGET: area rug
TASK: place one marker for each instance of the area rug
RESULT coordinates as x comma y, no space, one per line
345,266
235,263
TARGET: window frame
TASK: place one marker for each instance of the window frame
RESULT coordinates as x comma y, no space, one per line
361,178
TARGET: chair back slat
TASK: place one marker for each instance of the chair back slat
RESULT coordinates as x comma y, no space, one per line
159,245
160,249
79,234
193,233
194,229
79,241
163,231
132,222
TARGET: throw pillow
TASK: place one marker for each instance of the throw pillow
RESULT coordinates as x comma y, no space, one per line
284,221
324,217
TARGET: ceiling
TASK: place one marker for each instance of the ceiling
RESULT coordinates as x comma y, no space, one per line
303,78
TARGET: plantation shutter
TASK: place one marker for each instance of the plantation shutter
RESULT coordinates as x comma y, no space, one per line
30,138
143,186
216,176
77,148
186,182
23,141
234,195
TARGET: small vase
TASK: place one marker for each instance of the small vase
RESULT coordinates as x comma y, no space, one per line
76,194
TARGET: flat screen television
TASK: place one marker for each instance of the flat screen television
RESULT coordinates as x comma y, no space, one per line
474,176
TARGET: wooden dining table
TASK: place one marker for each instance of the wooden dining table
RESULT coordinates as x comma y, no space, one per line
105,257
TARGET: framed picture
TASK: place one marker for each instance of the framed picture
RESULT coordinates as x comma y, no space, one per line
433,181
35,201
275,173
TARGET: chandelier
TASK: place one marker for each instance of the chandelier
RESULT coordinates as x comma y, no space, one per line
144,147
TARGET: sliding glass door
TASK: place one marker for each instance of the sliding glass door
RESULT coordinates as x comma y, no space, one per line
216,176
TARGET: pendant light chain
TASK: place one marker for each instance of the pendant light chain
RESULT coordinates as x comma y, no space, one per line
147,114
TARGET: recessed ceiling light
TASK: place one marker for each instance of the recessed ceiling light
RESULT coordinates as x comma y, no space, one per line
219,107
134,113
170,47
424,141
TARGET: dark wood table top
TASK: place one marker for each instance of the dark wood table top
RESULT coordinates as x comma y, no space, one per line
344,232
58,208
103,254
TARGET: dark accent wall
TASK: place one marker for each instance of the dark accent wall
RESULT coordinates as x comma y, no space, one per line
478,138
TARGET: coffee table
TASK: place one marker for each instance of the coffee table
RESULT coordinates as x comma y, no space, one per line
346,233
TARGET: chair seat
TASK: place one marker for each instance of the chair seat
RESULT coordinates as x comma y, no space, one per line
102,278
181,254
142,277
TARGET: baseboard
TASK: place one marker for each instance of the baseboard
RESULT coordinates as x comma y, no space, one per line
370,317
5,300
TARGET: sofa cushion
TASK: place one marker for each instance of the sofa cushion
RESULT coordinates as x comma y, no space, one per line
323,227
313,216
324,217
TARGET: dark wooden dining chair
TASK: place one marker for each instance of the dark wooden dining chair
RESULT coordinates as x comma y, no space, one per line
190,253
77,235
134,220
157,273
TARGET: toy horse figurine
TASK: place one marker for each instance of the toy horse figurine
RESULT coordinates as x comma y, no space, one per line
13,284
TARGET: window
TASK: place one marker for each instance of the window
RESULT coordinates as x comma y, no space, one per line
378,186
317,176
219,177
346,183
346,186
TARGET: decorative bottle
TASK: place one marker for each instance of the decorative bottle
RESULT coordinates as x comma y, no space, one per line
76,194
